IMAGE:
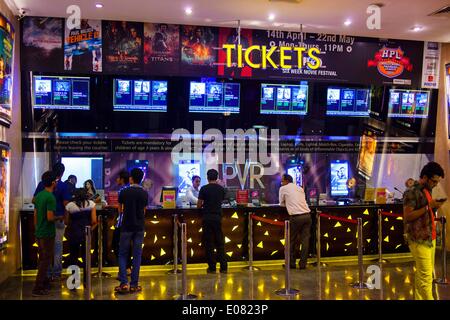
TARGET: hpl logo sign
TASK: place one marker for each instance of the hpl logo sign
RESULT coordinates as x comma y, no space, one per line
390,62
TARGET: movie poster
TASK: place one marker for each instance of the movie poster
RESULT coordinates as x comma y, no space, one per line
230,36
161,48
4,194
199,50
123,46
6,62
83,47
42,44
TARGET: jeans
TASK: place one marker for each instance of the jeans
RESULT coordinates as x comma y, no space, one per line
423,277
213,239
55,269
126,238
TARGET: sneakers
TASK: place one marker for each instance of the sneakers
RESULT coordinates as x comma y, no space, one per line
40,293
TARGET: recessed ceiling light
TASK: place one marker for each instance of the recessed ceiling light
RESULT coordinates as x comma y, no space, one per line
417,28
98,5
347,22
188,11
271,17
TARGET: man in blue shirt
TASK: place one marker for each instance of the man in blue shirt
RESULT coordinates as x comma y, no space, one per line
63,196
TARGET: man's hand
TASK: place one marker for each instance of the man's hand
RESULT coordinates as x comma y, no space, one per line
436,204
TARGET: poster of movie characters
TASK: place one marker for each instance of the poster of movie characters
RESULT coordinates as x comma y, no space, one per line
4,195
161,47
83,47
123,46
199,49
6,61
42,43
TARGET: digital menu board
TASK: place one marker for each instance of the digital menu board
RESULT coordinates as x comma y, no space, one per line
214,97
140,95
351,102
59,92
284,99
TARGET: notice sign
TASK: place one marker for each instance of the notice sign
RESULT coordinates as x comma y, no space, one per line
430,70
242,196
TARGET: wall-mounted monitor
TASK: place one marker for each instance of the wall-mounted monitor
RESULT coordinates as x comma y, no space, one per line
214,97
84,168
61,92
140,95
284,99
348,102
4,194
408,103
339,177
186,170
296,174
366,157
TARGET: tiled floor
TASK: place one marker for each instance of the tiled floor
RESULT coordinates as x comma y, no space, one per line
332,282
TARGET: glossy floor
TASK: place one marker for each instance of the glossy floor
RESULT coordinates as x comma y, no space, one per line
332,282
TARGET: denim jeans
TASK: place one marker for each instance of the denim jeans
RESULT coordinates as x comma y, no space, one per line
55,269
126,238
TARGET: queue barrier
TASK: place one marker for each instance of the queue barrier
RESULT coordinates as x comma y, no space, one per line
184,295
443,280
382,213
100,272
360,284
176,225
88,265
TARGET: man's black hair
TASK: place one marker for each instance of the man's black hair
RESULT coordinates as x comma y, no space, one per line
212,175
137,175
195,177
48,178
58,169
124,175
72,176
431,169
288,178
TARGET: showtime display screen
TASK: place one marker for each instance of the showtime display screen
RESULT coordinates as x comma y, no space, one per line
284,99
408,103
214,97
140,95
348,102
65,93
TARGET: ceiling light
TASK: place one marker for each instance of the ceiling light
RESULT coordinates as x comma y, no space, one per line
271,17
188,11
417,29
98,5
347,22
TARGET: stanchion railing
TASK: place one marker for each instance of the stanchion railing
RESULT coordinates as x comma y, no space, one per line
443,279
287,290
184,295
360,284
250,266
100,272
176,222
381,213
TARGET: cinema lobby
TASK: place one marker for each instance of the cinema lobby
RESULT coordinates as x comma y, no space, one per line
300,147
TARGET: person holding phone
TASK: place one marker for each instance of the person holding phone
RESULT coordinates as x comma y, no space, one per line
420,229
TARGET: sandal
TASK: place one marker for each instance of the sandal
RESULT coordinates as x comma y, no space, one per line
135,289
123,288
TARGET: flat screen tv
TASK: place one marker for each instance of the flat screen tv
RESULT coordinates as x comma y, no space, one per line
296,174
214,97
408,103
284,99
140,95
84,168
61,92
348,102
339,177
4,194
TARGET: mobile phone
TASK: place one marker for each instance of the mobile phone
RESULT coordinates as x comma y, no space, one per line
441,200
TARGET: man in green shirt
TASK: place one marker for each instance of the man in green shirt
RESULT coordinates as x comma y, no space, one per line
44,217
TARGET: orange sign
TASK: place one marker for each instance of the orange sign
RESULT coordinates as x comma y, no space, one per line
390,62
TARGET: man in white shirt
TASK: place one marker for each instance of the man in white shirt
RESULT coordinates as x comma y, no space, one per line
293,198
192,191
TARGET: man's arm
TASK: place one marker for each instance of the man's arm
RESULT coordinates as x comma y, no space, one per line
409,214
35,218
282,199
199,203
50,215
190,197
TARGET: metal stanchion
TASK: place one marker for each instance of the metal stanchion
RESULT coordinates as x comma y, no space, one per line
287,291
250,266
100,272
360,284
175,269
380,238
318,263
184,295
443,279
88,271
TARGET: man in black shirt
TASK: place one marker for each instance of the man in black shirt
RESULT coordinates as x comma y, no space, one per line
210,200
133,200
